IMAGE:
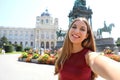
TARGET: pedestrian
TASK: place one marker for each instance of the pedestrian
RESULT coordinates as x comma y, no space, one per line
3,51
78,59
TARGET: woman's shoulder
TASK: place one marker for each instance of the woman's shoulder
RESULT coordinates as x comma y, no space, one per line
88,50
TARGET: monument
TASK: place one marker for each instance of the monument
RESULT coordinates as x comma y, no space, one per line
105,29
79,10
101,42
60,38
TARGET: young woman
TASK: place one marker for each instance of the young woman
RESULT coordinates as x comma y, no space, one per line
77,58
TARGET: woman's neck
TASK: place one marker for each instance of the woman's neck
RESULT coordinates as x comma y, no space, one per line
77,48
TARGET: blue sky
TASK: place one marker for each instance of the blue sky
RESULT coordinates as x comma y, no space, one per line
22,13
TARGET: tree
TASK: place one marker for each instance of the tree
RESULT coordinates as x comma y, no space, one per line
3,41
118,42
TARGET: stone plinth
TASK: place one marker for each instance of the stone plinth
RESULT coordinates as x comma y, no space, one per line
104,42
59,44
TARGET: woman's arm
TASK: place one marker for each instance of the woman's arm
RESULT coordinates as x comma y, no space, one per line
104,66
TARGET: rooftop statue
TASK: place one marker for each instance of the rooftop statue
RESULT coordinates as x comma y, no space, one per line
80,3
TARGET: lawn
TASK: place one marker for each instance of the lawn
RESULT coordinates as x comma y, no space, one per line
14,52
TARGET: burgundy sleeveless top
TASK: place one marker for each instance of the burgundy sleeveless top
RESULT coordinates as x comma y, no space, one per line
75,68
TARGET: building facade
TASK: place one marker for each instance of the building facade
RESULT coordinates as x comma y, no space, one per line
42,36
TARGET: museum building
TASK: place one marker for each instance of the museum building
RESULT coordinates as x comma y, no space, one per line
42,36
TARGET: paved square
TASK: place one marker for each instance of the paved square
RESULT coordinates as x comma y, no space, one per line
12,69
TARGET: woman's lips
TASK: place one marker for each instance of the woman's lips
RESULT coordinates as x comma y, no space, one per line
75,36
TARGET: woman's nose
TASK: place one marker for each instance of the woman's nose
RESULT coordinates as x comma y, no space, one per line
77,30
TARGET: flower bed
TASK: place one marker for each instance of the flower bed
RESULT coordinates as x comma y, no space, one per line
37,58
113,56
109,53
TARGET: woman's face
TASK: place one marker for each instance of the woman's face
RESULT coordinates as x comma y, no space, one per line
78,32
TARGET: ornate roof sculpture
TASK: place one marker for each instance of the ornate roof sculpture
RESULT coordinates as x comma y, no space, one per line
45,13
80,3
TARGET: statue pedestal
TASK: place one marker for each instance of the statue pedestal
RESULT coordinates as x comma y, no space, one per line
59,44
104,42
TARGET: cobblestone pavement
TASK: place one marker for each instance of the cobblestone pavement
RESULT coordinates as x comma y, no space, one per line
12,69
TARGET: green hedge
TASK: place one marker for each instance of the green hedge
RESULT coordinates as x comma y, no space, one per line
19,48
8,48
27,49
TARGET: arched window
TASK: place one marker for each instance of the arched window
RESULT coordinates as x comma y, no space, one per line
21,43
47,44
42,21
46,20
52,44
31,44
15,42
26,43
42,44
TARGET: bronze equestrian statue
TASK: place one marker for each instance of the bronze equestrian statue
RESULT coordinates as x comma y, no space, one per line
60,33
105,28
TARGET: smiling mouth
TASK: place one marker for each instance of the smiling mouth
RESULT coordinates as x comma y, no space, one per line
75,36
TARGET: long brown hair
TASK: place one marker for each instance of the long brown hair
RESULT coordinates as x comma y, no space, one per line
68,45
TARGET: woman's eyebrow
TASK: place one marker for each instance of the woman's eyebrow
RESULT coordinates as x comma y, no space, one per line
74,25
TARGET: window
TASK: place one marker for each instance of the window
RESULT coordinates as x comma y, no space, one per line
52,44
21,43
42,36
42,21
47,44
52,36
31,43
47,36
26,43
38,19
42,44
46,20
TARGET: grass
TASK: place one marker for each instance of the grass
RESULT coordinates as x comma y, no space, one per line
14,52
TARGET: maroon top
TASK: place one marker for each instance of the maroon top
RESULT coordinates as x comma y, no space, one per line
75,68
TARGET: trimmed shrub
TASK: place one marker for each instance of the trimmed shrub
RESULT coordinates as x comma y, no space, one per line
27,49
8,48
19,48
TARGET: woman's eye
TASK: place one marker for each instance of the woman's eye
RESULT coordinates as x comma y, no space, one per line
82,29
74,27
